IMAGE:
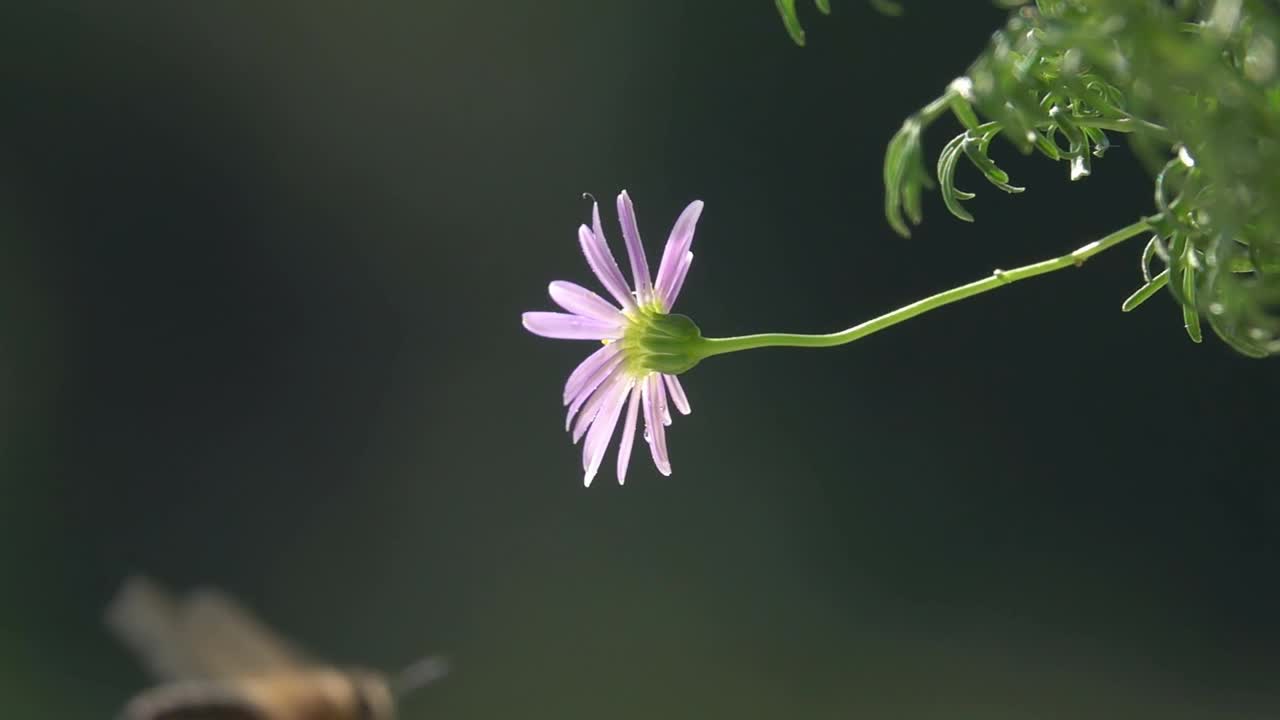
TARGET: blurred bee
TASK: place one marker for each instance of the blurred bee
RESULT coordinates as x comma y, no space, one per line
218,663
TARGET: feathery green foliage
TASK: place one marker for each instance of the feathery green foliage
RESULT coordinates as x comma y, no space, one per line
787,9
1194,85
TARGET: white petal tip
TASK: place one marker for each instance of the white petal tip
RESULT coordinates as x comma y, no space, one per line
586,480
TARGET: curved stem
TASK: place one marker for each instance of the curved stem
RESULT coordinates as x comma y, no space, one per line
998,278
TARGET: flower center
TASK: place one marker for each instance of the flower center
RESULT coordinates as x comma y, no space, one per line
655,341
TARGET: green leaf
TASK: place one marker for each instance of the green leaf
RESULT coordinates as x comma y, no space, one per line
1101,143
947,161
905,177
787,9
1145,292
1077,145
1190,314
976,150
1149,252
1238,342
1046,146
1191,321
963,111
886,7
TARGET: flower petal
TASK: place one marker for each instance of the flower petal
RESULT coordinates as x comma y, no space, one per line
635,250
592,406
603,426
589,386
676,390
655,433
628,435
605,267
682,270
664,408
563,326
677,245
583,372
581,301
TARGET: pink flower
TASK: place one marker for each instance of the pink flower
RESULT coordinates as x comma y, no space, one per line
633,370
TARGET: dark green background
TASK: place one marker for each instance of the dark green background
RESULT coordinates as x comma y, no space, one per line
260,283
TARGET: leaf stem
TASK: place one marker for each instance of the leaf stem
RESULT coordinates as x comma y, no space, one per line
936,108
998,278
1124,125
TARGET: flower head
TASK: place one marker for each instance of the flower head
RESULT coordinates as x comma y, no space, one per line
645,346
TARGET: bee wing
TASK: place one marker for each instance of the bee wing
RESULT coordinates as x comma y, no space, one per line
145,618
232,640
206,635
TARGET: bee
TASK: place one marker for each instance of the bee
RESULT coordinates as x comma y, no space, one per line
217,662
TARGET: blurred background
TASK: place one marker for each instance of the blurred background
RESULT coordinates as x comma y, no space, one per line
260,282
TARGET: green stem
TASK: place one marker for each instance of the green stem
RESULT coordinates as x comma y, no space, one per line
1124,125
1121,125
999,278
936,108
